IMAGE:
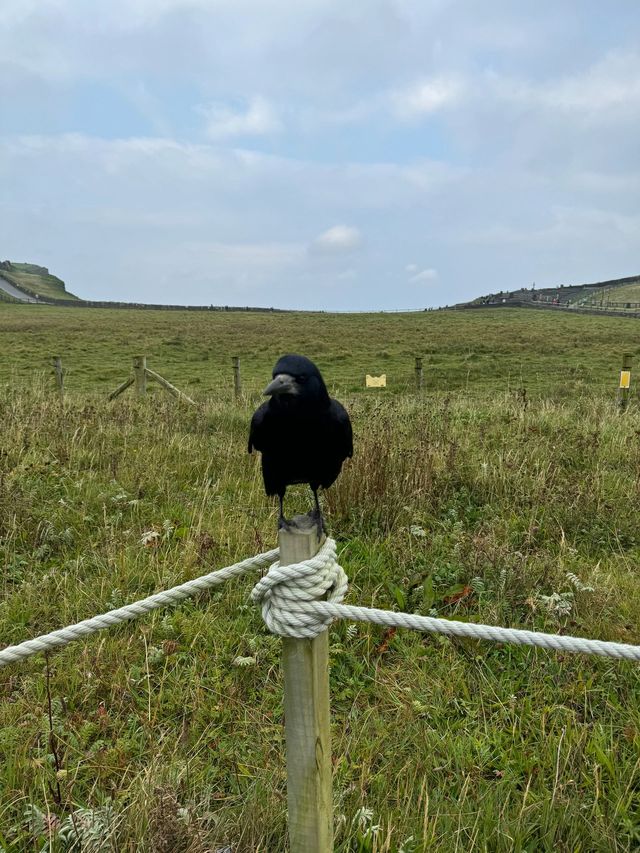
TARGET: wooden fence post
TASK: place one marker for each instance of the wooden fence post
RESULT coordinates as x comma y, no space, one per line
237,382
57,366
625,381
419,373
140,373
307,716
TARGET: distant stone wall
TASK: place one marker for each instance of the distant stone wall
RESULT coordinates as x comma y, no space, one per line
85,303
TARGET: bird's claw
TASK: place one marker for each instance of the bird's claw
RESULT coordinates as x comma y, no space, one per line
318,520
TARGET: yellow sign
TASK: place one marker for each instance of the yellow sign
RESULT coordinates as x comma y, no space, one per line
376,381
625,378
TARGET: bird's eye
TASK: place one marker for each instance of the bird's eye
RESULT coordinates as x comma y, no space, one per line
302,378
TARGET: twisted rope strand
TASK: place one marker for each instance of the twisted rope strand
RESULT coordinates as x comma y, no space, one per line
61,637
291,606
289,597
517,636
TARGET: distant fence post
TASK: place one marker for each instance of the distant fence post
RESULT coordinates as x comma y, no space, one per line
419,378
625,381
140,374
306,718
237,382
57,366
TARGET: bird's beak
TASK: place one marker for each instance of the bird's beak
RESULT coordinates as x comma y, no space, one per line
283,383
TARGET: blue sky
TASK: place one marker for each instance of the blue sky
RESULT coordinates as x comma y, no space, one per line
319,154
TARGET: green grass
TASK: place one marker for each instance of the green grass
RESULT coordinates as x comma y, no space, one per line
628,293
492,349
472,486
623,293
36,281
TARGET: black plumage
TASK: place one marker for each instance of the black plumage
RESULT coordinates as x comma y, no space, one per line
303,434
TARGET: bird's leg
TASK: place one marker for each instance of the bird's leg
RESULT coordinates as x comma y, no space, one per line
316,515
282,521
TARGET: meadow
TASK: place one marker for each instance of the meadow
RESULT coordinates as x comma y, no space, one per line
505,492
500,349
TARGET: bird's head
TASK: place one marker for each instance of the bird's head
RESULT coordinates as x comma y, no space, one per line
296,378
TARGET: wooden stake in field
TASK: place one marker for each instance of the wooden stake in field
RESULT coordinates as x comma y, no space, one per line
625,381
168,386
140,375
237,382
419,377
57,367
306,716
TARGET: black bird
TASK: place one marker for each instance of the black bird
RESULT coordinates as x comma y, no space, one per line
303,434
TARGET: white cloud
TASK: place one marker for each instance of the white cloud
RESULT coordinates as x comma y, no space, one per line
526,166
347,275
426,97
612,83
337,240
424,276
259,119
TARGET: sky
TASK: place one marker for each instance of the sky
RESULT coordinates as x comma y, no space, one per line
316,154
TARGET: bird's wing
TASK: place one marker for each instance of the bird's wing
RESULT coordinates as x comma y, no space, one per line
256,430
342,428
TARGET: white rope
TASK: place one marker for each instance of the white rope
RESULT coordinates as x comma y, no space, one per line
44,643
323,611
284,589
292,606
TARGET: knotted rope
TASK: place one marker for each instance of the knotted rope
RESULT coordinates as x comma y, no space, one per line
285,589
301,600
295,604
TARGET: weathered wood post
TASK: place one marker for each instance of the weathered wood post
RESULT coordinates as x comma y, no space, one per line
140,373
625,381
57,367
237,382
419,377
307,716
151,374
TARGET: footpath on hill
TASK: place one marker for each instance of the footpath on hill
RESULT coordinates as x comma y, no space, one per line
13,291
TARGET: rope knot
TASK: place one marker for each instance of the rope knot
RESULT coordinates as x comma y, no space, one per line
285,590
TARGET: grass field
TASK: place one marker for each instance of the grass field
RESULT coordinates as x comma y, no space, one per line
474,350
506,493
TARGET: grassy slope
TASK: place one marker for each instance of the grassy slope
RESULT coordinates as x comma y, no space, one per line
628,293
623,293
34,280
460,745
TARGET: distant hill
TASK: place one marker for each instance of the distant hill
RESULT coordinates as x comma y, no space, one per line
29,282
618,294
